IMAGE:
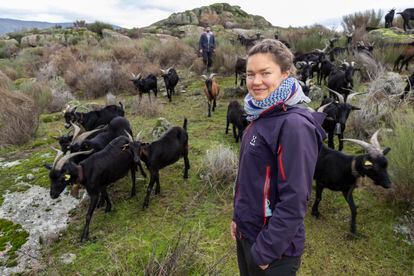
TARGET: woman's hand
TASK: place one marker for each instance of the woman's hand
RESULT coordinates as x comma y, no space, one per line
233,229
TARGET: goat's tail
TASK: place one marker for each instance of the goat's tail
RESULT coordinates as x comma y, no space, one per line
185,124
122,106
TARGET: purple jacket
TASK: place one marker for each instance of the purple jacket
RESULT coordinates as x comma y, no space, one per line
278,156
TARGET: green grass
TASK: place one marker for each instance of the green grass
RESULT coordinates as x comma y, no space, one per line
126,239
11,235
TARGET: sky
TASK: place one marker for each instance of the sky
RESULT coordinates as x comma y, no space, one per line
141,13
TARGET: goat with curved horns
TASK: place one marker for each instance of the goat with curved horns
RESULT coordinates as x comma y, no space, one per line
339,172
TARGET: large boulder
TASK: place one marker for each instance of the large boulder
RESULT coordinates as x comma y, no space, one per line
391,35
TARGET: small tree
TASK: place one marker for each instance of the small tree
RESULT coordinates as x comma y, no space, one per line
98,26
79,24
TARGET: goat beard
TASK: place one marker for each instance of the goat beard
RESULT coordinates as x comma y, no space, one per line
74,191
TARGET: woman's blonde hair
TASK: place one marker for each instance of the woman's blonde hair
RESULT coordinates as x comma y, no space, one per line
280,53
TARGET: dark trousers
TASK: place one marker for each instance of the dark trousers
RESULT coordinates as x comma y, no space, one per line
284,266
208,58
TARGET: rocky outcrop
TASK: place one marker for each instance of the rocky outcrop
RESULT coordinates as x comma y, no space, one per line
391,35
216,14
112,35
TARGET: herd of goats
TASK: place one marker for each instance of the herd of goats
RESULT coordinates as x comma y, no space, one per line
101,149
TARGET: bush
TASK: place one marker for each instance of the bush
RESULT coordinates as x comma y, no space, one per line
361,20
225,56
380,101
61,95
38,91
400,158
96,79
19,118
220,167
5,82
98,26
172,51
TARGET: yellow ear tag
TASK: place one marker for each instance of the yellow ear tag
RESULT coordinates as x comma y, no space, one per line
368,163
67,177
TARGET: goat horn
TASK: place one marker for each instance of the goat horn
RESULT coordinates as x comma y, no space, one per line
138,136
76,131
350,96
322,108
301,83
212,75
65,158
308,82
204,77
129,136
340,97
371,149
163,71
374,140
83,136
58,155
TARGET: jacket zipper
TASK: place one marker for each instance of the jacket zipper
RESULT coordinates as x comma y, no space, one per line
266,193
279,157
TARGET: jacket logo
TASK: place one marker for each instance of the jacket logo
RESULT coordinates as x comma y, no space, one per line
253,141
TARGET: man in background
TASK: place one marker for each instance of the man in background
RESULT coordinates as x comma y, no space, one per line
206,47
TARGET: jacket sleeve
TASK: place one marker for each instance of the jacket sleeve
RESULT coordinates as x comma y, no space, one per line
213,44
298,150
200,43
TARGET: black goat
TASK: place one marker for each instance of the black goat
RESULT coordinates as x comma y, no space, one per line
341,80
409,87
95,173
237,117
283,41
93,119
305,86
389,17
145,85
337,115
170,79
340,172
305,68
240,69
163,152
326,68
246,42
407,15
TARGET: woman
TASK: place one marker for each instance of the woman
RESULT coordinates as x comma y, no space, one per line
278,155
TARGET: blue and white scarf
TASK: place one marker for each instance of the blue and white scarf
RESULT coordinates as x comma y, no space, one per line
289,92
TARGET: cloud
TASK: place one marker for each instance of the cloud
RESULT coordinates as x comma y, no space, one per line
133,13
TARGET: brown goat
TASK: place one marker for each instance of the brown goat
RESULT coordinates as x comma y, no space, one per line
211,89
405,57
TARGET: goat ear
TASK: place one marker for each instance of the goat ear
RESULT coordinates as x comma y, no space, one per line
355,107
47,166
386,150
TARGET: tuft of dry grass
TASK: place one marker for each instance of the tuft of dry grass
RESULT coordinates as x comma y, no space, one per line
219,169
19,118
145,107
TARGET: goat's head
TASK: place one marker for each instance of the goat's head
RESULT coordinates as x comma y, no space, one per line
62,172
133,147
209,80
374,164
79,138
70,116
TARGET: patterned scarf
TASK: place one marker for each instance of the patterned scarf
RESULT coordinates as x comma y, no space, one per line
289,93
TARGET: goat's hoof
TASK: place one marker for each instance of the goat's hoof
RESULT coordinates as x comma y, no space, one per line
315,214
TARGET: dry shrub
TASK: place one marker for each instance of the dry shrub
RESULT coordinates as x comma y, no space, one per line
145,107
96,80
219,168
40,92
5,82
173,52
18,118
401,157
61,95
198,66
225,56
370,69
380,101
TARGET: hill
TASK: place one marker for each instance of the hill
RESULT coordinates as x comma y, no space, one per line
8,25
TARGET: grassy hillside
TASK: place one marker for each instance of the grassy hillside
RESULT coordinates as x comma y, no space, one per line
187,225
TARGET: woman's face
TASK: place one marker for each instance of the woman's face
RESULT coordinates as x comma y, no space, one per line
263,75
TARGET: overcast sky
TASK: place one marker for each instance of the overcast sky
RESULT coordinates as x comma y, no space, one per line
140,13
